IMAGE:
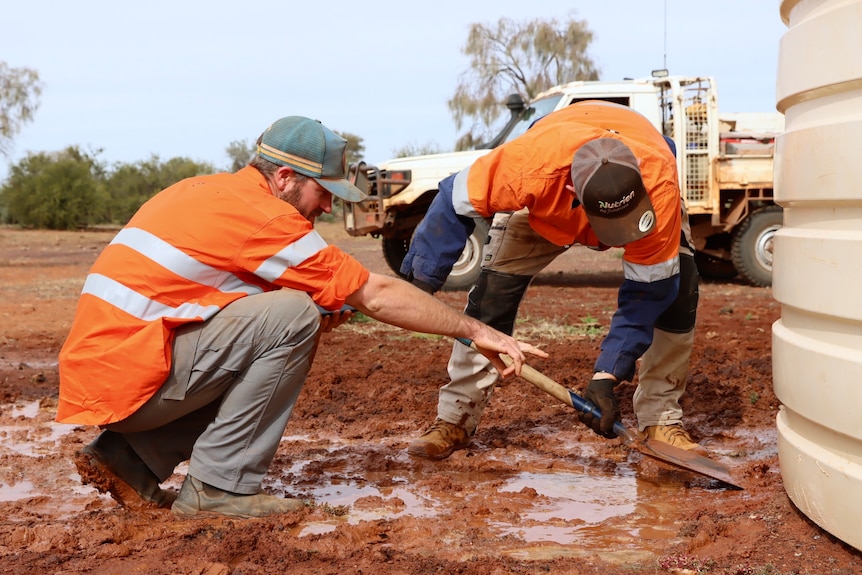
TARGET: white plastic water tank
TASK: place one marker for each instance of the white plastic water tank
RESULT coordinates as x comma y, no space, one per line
817,273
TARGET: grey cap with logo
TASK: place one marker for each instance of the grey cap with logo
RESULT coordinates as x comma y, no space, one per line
609,186
312,150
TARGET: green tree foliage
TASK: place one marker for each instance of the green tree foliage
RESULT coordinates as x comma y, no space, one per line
409,150
523,57
355,146
240,153
130,185
72,189
59,191
20,89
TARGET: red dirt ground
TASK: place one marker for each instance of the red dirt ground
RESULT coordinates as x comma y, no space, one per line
535,493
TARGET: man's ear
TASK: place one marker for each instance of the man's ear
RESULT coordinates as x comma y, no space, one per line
282,175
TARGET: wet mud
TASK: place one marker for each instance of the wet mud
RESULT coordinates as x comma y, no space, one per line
535,492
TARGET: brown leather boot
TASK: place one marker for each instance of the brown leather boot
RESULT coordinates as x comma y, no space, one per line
675,435
441,439
110,465
198,499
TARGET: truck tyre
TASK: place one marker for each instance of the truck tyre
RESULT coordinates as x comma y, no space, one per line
714,269
751,246
466,270
394,250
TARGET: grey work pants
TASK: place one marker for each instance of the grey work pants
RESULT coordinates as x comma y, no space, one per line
514,248
232,387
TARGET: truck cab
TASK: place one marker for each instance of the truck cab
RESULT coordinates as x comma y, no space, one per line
724,164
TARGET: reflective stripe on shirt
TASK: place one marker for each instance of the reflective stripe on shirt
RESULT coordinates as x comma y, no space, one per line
461,196
180,263
139,306
651,273
291,255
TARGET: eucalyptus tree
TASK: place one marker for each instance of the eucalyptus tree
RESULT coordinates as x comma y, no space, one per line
20,89
515,57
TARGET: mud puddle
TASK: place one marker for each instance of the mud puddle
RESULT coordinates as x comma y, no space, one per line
616,510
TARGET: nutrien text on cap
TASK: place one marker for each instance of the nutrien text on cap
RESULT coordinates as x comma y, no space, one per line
313,150
609,186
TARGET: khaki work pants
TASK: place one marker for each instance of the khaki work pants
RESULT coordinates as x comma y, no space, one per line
233,384
514,248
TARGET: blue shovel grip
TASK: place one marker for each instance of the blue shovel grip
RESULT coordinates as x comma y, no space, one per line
575,400
589,407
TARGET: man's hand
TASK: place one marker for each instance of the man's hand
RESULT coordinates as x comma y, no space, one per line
331,320
493,347
600,392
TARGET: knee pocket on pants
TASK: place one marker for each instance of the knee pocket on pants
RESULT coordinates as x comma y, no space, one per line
681,316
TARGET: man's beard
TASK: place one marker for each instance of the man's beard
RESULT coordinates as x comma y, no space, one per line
292,194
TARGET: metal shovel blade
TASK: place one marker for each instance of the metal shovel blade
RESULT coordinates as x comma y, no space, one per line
650,447
684,459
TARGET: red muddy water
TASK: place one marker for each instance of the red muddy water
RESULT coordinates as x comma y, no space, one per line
535,493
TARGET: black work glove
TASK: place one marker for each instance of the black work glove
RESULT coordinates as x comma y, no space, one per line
600,392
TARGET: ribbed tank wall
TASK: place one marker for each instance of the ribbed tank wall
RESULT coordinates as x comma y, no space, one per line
817,265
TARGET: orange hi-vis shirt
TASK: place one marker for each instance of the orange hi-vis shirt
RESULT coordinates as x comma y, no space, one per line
532,172
187,253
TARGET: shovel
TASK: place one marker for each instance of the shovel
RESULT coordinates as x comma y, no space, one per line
649,447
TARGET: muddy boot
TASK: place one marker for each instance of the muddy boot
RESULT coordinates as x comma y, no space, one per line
110,465
441,439
675,435
198,499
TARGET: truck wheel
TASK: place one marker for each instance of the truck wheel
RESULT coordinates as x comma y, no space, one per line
712,268
394,251
751,246
465,271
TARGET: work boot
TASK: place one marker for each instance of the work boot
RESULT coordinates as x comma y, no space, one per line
675,435
198,499
441,439
110,465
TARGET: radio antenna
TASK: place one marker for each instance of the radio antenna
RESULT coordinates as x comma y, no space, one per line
665,36
661,73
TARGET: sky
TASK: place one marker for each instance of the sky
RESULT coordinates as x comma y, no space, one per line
186,77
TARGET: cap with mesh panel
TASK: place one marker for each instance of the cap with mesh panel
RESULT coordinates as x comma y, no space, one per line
313,150
609,186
